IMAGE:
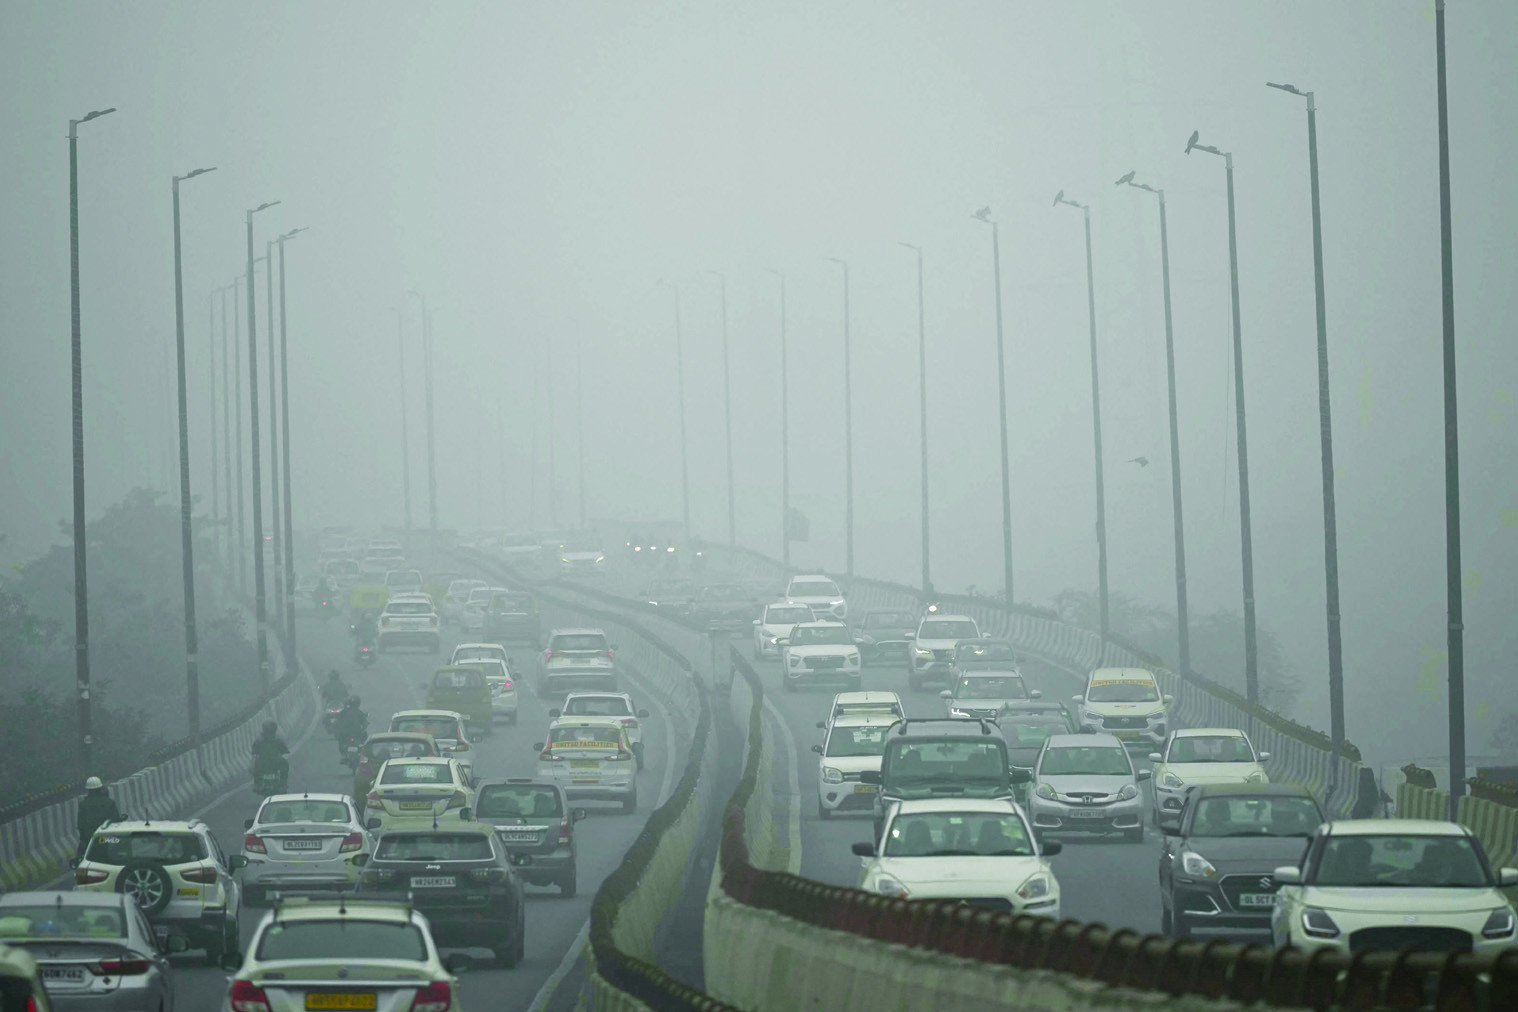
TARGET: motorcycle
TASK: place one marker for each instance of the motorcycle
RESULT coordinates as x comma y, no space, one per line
365,656
351,755
272,779
329,718
325,610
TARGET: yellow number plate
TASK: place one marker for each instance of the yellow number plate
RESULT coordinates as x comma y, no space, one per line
344,1001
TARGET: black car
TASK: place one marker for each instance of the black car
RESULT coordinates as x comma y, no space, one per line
1219,853
463,879
884,633
533,817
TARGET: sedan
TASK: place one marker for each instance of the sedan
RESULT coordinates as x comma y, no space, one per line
302,841
418,792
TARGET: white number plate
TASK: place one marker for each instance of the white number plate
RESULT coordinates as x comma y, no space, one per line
530,836
63,974
303,845
1080,813
1257,899
433,882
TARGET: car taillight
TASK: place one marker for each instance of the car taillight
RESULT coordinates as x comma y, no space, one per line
487,874
435,997
204,876
121,967
621,756
385,622
629,721
89,876
373,798
610,654
565,830
509,685
457,801
254,844
248,997
351,842
548,655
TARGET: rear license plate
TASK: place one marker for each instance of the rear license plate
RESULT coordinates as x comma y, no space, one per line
866,788
584,764
1078,814
302,845
1257,899
63,974
433,882
415,806
361,1001
519,837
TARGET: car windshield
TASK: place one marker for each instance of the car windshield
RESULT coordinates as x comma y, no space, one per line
1256,816
791,615
433,847
1212,748
1126,690
305,810
397,748
857,741
466,678
525,801
511,603
982,651
992,687
1030,731
1092,760
160,848
440,728
584,737
479,595
480,653
820,635
342,939
408,608
50,920
1402,860
958,834
954,762
597,706
889,620
595,642
417,773
813,588
941,629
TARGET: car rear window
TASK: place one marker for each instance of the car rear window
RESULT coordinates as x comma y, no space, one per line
398,749
417,773
48,920
579,641
434,847
584,737
461,654
438,727
511,602
504,801
305,810
342,939
458,679
160,848
597,706
408,608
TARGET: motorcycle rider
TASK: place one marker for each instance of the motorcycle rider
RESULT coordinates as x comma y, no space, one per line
96,808
269,751
322,594
366,629
334,690
351,726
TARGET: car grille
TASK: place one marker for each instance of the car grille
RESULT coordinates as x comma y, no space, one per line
1420,939
824,662
983,902
1126,723
1088,797
1235,885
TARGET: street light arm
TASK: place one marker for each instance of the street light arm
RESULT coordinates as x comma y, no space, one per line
1290,89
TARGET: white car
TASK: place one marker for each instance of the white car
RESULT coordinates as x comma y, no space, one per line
404,581
447,728
980,851
577,558
417,793
409,619
590,758
520,546
618,705
819,652
1394,884
930,657
503,686
475,608
820,594
853,744
451,608
1125,703
303,955
1203,755
867,701
775,624
302,841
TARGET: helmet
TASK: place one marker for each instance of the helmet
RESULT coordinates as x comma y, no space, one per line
93,784
270,728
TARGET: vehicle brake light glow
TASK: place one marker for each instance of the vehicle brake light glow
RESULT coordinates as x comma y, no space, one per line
565,830
254,844
204,876
89,876
435,997
374,798
248,997
548,655
610,654
351,842
121,967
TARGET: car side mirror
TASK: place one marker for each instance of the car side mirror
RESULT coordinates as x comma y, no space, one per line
1018,775
642,714
1036,694
538,746
909,636
247,823
1048,848
466,814
578,815
73,862
1264,756
554,714
945,694
1154,757
1168,699
237,862
1289,874
1170,823
869,777
373,825
817,749
230,961
783,641
1143,774
1078,699
1507,877
458,962
863,849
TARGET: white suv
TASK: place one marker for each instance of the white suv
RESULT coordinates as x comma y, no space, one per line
409,618
820,594
177,874
1125,703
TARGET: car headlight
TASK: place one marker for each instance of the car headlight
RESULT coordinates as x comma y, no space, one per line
1257,777
1036,888
1045,791
919,652
564,560
1500,924
1128,793
600,559
853,655
831,775
795,661
1318,924
1197,866
1171,782
887,886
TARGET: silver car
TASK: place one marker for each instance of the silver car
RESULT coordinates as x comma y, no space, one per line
302,842
94,951
1086,783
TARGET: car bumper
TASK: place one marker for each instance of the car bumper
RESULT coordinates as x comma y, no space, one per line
402,637
847,797
142,993
506,707
546,869
273,876
842,673
1058,816
602,787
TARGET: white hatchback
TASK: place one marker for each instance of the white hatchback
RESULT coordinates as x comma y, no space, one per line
853,745
1203,755
775,624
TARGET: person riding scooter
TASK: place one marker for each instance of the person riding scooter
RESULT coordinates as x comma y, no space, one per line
269,751
351,727
335,693
366,630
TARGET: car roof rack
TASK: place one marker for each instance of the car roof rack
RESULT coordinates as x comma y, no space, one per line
984,723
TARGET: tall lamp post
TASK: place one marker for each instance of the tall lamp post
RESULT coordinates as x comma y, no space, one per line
260,612
580,428
848,430
274,500
922,404
785,433
81,580
284,411
1096,426
680,396
400,334
186,541
1183,624
984,215
238,554
1325,429
431,431
211,361
1246,536
727,410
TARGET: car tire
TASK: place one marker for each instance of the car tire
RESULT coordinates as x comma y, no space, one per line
630,803
1167,922
511,954
148,884
638,754
788,683
567,885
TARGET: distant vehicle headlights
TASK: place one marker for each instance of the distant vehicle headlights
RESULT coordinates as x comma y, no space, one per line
1318,924
922,653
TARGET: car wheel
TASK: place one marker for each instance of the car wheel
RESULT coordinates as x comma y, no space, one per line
638,754
630,803
788,683
510,954
147,884
567,883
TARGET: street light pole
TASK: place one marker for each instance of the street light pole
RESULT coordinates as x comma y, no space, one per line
215,478
1183,623
1096,428
922,402
260,612
1454,603
984,215
553,468
431,434
1325,429
186,541
242,500
400,334
785,433
76,351
1246,536
284,411
727,409
680,396
848,429
580,427
274,499
228,352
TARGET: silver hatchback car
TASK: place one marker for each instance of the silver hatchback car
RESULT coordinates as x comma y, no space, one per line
1086,783
302,842
93,950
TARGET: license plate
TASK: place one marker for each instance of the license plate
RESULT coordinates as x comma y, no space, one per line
1257,899
433,882
590,780
1078,814
415,806
866,788
63,974
343,1000
302,845
584,764
519,837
